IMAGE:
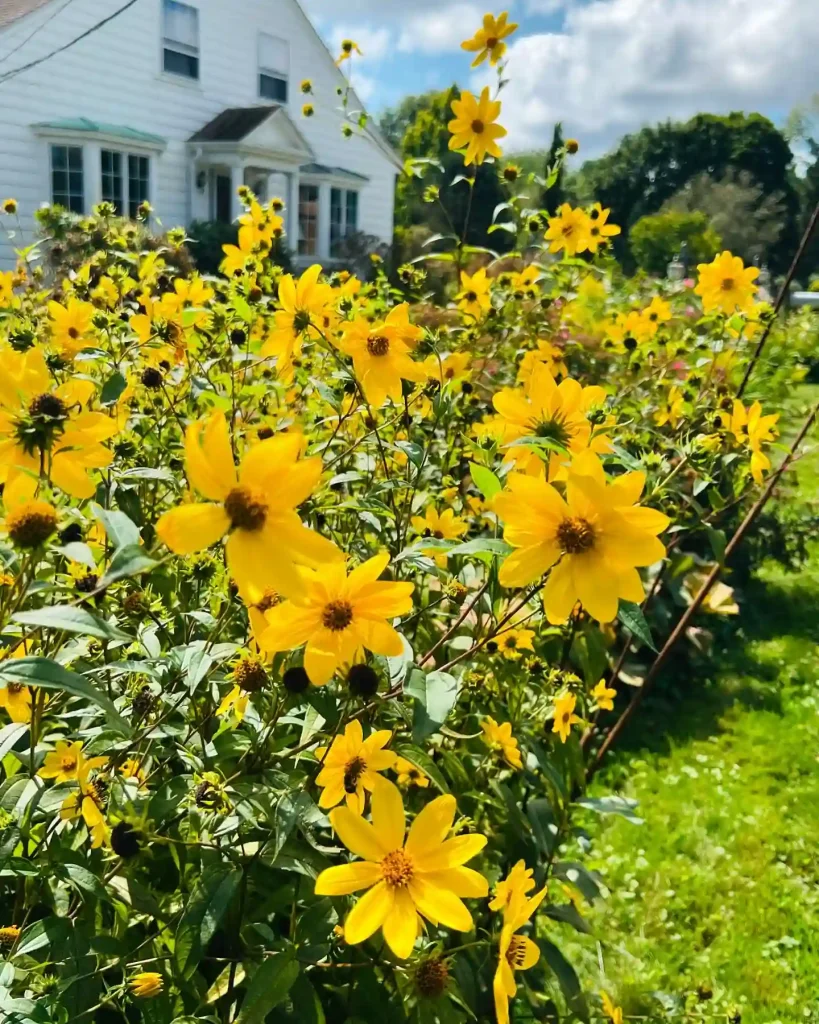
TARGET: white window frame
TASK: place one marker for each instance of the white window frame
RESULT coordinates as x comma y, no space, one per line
125,155
282,74
62,144
179,47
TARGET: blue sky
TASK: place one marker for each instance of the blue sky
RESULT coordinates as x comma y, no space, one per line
603,67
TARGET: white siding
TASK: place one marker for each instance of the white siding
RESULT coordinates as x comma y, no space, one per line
115,76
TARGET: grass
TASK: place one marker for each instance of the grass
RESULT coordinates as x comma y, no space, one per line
714,900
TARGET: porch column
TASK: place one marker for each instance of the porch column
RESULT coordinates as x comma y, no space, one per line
324,222
92,175
237,178
292,213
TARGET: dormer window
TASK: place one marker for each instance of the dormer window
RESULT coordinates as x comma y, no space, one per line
180,31
274,67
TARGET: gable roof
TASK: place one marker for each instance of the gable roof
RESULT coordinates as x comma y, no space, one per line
11,10
233,124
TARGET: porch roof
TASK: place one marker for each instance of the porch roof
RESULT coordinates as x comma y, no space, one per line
324,171
85,124
234,124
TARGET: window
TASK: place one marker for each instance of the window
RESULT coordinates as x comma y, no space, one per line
67,178
308,219
112,178
274,67
343,217
180,55
138,183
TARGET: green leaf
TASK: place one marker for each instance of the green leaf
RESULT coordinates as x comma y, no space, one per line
47,674
566,978
121,531
127,561
485,480
482,545
542,820
206,908
113,388
568,913
435,694
9,735
631,615
42,933
83,879
612,805
79,552
717,540
271,983
580,877
71,620
423,762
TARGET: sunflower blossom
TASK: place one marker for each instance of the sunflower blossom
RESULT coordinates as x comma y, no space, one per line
593,540
474,127
420,873
351,766
516,952
381,354
303,303
726,285
488,40
254,505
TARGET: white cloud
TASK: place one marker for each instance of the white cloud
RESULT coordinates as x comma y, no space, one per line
619,64
374,43
381,10
440,30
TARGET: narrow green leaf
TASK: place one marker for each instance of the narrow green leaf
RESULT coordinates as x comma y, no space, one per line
71,620
424,763
47,674
128,561
631,615
566,977
9,735
485,480
42,933
482,545
620,805
113,388
206,908
271,983
120,529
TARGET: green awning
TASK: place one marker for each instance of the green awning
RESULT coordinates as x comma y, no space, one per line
85,124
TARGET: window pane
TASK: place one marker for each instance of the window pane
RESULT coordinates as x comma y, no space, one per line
112,178
139,173
67,178
274,54
336,220
180,63
352,213
59,157
271,87
308,219
180,23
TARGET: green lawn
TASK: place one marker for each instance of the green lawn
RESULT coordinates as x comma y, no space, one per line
715,898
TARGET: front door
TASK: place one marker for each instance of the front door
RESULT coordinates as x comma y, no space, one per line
222,195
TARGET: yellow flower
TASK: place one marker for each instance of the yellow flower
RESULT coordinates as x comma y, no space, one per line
546,353
658,311
16,699
614,1013
474,129
86,804
726,285
519,880
599,232
381,354
443,526
67,762
303,303
132,769
422,874
338,616
512,641
516,952
408,774
36,417
568,230
146,984
473,298
564,716
245,255
500,738
308,110
604,696
71,328
753,429
348,48
255,505
597,535
452,369
351,766
265,222
488,40
672,411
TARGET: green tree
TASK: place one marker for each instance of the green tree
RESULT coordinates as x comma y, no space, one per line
553,197
656,238
648,168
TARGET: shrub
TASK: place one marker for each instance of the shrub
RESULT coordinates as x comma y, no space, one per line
656,239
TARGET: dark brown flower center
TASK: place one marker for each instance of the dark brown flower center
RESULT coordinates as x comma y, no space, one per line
471,297
379,346
727,284
73,333
246,509
48,406
353,771
337,615
478,126
301,321
575,535
555,429
491,43
396,869
516,953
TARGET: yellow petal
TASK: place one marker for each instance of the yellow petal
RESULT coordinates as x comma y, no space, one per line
451,853
347,878
440,905
190,528
368,915
388,815
358,835
401,924
431,825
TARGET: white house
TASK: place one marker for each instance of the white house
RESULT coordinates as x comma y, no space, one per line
179,102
